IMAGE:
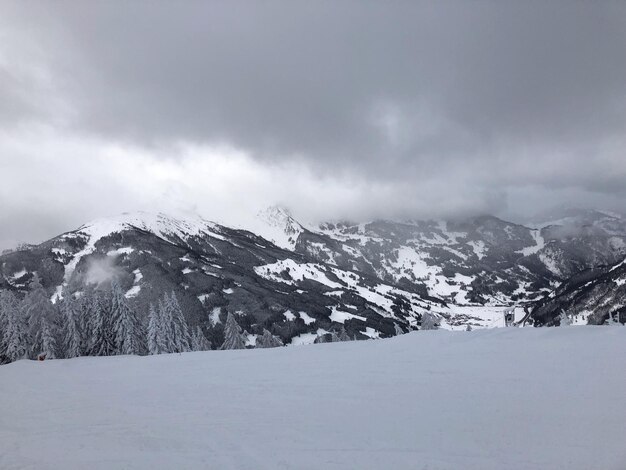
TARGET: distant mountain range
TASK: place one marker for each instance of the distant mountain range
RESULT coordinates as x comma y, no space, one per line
373,279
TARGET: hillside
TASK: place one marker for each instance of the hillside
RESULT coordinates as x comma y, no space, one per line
592,296
481,400
302,281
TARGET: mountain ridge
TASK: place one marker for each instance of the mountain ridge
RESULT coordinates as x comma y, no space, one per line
367,277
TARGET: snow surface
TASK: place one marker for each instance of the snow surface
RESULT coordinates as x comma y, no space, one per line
482,400
276,225
306,318
340,316
540,243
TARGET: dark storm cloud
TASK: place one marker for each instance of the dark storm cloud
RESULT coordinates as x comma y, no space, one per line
497,96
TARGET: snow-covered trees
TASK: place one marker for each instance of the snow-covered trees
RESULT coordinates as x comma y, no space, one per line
180,339
199,342
95,321
564,319
155,333
268,340
72,342
429,321
101,335
168,331
343,336
126,327
41,317
233,338
14,341
48,347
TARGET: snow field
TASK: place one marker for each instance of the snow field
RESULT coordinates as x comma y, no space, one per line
548,399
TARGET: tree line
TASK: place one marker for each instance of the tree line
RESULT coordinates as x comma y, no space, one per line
101,322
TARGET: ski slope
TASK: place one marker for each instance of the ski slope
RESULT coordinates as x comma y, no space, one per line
531,398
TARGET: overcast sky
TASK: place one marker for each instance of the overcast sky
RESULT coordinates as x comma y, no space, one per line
334,109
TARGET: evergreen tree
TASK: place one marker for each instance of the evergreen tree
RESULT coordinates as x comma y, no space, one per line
48,340
564,319
102,338
126,326
181,338
429,321
398,330
343,336
333,337
233,338
72,334
268,340
321,339
15,339
37,310
155,333
199,342
165,323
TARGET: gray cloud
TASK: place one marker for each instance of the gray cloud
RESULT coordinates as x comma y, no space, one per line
488,102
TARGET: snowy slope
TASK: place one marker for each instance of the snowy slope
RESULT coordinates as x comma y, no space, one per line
384,271
592,296
482,400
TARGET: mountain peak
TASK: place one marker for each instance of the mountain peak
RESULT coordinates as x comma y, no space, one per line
277,225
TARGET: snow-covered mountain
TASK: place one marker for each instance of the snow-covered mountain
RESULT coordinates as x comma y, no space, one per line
592,296
373,278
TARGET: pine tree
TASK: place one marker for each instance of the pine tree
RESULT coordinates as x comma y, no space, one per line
48,340
37,310
72,334
15,339
155,333
398,330
165,323
343,336
102,338
321,339
233,338
564,319
181,338
429,321
126,326
333,337
268,340
199,342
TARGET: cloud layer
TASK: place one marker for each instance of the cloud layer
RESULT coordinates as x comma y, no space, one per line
354,109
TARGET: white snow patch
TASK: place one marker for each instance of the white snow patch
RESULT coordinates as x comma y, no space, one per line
132,292
297,272
479,248
540,243
214,316
15,276
306,318
371,332
340,316
121,251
